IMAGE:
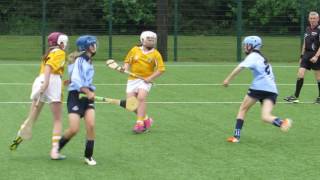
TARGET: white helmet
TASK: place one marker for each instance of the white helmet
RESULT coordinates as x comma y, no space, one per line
63,39
148,34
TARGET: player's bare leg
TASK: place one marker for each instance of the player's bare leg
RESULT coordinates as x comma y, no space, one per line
73,129
247,103
266,115
90,129
56,109
140,125
25,131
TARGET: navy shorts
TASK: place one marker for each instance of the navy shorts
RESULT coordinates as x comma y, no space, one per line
262,95
78,105
307,64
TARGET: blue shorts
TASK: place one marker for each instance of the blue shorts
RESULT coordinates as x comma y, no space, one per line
262,95
78,105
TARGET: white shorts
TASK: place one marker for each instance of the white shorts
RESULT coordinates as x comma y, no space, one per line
53,92
136,84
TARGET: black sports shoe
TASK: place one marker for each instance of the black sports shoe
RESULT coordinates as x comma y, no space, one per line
15,143
293,99
317,101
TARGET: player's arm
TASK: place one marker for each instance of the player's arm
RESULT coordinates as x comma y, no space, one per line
315,58
317,55
303,47
153,76
78,79
126,67
86,90
127,61
233,74
160,69
45,84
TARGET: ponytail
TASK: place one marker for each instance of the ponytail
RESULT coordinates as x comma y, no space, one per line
266,61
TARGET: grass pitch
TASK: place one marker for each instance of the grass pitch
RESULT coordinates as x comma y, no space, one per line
193,117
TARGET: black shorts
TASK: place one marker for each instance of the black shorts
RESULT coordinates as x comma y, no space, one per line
306,63
78,106
262,95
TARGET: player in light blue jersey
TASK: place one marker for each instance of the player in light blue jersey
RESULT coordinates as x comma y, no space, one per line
81,74
263,87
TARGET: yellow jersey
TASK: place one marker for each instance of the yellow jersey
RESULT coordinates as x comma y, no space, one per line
56,60
144,64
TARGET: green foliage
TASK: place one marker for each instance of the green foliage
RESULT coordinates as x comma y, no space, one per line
199,17
130,16
205,17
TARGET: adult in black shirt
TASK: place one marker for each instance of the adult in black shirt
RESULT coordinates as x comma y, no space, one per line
309,58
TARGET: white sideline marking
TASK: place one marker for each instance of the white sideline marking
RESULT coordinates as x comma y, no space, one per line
160,84
169,65
169,102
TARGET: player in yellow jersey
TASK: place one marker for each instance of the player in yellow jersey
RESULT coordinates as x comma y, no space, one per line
146,62
47,87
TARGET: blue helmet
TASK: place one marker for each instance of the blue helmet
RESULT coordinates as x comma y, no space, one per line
254,41
83,42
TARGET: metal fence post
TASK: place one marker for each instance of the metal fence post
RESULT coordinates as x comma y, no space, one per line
239,29
175,40
43,27
110,28
302,20
162,27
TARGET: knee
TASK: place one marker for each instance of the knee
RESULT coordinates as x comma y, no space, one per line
91,126
243,109
300,74
73,131
141,99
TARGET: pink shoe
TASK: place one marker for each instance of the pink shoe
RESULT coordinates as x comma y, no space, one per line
138,128
148,123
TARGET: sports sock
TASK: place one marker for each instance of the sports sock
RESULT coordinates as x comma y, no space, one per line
89,148
319,88
277,122
62,142
238,128
55,140
140,120
299,85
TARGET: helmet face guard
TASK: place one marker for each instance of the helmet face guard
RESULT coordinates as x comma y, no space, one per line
148,39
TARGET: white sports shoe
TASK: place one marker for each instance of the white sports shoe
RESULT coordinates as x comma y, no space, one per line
55,155
90,161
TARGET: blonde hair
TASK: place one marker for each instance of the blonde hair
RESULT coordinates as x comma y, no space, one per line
313,13
73,56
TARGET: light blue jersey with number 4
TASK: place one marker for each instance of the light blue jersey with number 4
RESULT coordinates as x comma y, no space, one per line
263,78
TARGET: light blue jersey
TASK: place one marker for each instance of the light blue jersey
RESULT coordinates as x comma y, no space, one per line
263,78
81,74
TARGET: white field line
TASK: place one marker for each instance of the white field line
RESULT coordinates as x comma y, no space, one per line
169,65
167,102
160,84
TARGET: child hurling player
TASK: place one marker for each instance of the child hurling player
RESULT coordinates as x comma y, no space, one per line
47,87
146,62
81,74
263,87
